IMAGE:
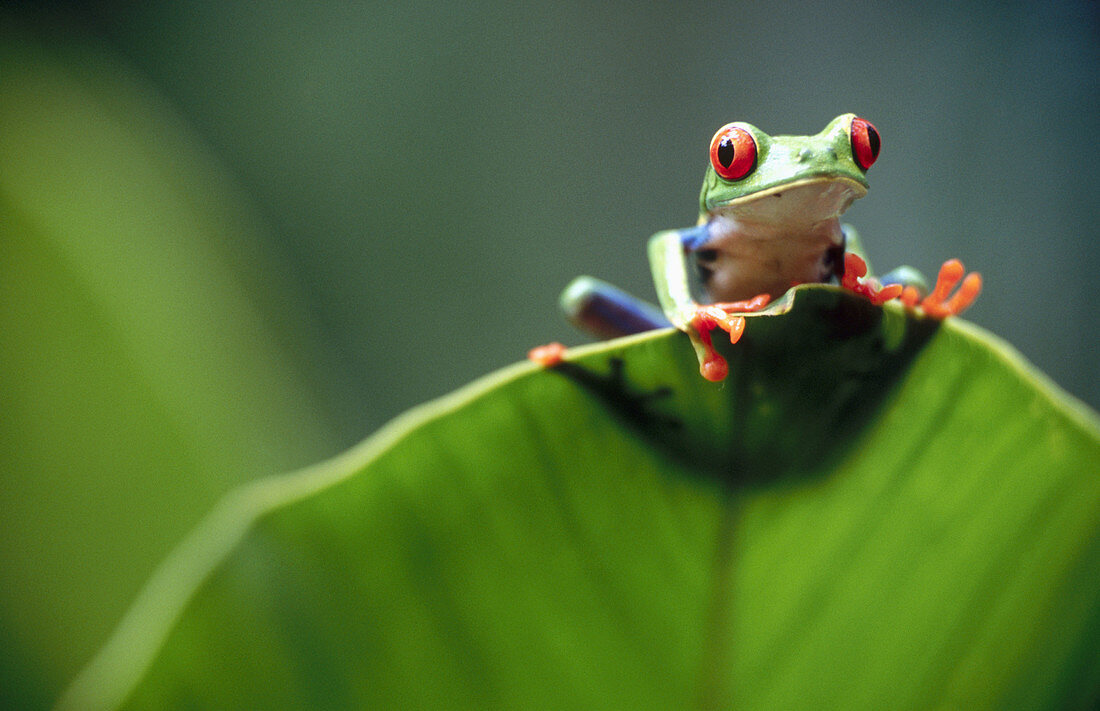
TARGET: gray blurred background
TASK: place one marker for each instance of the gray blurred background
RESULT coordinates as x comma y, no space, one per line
430,175
409,187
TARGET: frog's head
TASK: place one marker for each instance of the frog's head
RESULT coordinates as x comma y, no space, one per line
820,175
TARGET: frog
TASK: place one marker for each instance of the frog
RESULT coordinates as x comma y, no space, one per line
769,220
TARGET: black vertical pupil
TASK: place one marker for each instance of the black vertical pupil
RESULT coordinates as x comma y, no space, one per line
873,139
726,151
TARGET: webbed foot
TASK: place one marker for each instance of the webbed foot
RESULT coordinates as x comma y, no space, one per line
941,303
725,316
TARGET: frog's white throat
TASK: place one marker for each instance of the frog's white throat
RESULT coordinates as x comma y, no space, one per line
795,204
779,237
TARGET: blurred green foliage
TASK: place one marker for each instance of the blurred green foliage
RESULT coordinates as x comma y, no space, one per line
456,164
145,368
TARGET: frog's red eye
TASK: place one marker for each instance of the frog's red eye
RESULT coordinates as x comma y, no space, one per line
865,143
732,152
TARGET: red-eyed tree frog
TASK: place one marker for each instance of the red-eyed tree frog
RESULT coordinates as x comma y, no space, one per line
769,219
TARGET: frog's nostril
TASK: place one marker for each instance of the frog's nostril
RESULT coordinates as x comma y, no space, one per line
804,155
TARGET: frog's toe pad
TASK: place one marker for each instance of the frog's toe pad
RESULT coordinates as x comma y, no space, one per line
855,271
910,296
714,316
549,355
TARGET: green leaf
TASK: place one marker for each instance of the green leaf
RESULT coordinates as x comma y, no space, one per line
873,511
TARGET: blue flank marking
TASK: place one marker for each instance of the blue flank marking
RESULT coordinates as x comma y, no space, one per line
694,238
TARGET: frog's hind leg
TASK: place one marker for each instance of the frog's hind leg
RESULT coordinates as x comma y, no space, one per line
606,311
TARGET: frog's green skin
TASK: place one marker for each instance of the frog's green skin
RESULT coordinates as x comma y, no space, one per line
773,225
776,227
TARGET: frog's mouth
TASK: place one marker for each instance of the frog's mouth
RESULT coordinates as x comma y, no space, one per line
807,201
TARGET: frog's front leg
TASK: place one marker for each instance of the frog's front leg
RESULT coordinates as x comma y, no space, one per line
668,252
855,279
908,285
